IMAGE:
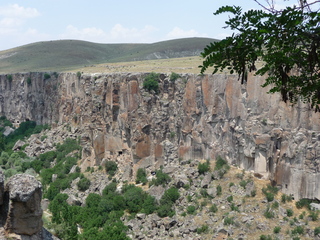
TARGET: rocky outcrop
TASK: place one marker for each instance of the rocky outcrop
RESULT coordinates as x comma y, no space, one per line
20,209
195,117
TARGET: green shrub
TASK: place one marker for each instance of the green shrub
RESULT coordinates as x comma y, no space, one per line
253,193
304,202
230,198
276,229
317,231
275,205
213,208
203,229
174,76
268,213
83,184
233,207
161,179
150,82
265,237
204,193
191,209
289,212
219,190
111,167
170,196
203,167
29,82
78,75
9,77
46,76
134,198
165,211
314,215
228,220
220,163
298,230
283,198
269,196
141,176
243,183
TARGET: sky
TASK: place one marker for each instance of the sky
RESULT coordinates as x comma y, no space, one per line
113,21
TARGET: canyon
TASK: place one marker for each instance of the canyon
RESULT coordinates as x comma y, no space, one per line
193,117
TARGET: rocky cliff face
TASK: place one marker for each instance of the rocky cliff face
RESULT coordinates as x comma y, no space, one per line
195,117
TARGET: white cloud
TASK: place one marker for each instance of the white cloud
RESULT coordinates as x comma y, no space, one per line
177,32
118,33
89,34
16,11
121,33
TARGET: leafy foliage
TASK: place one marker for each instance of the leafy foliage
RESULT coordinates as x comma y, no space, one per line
141,176
150,82
111,167
203,167
46,76
161,178
304,202
83,184
174,76
286,42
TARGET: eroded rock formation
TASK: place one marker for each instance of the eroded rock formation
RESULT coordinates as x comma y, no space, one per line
20,208
195,117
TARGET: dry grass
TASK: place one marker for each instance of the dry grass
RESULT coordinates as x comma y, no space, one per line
177,65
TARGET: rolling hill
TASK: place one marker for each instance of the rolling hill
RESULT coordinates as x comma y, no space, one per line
64,55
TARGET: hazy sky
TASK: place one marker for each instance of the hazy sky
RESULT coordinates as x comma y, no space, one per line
112,21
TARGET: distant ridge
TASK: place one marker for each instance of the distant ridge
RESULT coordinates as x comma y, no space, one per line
64,55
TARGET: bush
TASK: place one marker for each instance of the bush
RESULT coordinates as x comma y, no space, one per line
46,76
268,213
191,209
213,208
78,75
9,77
298,230
314,215
219,190
230,198
165,211
141,176
233,207
203,167
29,82
174,76
220,163
161,179
170,196
228,221
276,229
265,237
289,212
317,231
111,168
150,82
203,229
304,202
83,184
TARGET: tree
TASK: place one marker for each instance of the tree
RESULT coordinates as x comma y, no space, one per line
286,43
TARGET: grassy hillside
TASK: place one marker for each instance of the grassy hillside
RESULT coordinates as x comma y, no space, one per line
64,55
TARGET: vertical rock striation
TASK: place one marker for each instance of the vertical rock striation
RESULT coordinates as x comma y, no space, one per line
194,117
